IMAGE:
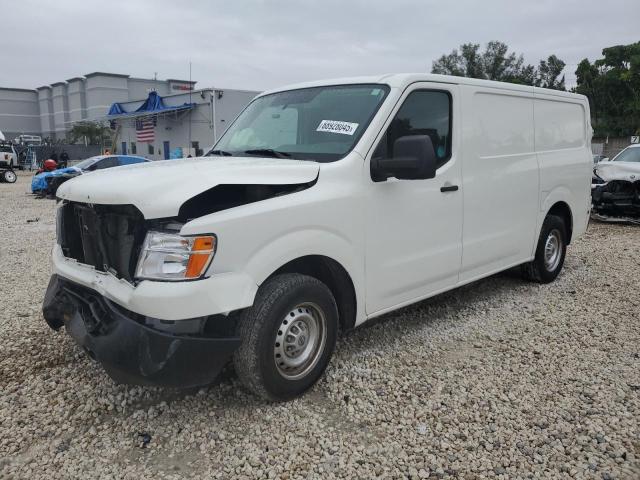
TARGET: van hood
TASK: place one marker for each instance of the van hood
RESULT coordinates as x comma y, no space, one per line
159,188
608,171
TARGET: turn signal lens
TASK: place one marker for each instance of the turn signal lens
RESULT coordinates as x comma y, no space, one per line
203,248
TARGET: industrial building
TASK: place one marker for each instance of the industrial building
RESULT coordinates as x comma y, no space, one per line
51,110
175,126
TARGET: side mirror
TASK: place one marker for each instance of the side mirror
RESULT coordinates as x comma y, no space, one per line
414,158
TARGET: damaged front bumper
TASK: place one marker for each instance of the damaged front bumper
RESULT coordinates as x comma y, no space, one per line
616,199
133,348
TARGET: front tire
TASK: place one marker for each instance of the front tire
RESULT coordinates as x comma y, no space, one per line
550,252
287,337
9,176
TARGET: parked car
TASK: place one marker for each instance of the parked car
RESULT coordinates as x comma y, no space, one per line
8,162
322,206
597,158
615,189
47,182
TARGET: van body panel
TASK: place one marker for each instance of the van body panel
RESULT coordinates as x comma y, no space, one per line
500,180
413,230
325,220
563,144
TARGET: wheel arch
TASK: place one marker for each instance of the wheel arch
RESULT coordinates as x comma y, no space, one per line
334,276
563,210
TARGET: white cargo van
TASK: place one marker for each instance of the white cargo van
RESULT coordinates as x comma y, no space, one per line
322,206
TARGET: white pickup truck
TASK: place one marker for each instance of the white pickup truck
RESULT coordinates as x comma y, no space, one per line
8,161
322,206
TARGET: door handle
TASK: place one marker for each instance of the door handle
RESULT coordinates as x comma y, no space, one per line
449,188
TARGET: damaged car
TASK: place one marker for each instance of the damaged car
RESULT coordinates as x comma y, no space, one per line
322,206
615,189
46,183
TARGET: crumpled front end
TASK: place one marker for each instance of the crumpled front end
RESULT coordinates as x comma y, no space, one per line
617,199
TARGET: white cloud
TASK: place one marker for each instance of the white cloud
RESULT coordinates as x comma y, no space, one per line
262,44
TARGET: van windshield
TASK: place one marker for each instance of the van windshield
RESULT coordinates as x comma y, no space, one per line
319,123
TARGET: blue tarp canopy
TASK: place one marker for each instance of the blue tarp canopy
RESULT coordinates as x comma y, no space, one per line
152,105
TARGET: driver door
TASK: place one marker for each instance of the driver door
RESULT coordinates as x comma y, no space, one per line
414,227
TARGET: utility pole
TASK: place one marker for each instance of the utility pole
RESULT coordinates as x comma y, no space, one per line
190,112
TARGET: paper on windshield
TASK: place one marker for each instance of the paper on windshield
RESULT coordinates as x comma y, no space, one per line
337,126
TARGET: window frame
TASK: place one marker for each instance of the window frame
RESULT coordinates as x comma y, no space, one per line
446,159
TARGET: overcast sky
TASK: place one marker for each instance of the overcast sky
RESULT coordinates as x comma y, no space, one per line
255,44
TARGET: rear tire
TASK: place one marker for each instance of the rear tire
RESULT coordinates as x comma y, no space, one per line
9,176
550,252
287,337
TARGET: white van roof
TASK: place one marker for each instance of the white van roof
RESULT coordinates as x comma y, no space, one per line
402,80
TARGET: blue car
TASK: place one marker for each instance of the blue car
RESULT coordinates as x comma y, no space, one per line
46,183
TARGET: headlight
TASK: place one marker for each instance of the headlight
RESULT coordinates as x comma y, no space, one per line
168,256
596,180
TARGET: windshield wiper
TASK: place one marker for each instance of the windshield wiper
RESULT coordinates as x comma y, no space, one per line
270,152
222,153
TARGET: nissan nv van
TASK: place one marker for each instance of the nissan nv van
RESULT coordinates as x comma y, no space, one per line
322,206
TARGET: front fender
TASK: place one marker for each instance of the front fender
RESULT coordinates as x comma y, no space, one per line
259,238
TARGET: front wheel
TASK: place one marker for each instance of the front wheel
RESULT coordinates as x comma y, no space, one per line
287,337
550,252
9,176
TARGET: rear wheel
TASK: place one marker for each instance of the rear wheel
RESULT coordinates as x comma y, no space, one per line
287,336
9,176
550,252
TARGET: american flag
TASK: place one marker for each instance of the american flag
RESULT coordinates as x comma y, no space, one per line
145,131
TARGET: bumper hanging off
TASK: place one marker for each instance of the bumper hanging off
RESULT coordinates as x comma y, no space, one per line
130,350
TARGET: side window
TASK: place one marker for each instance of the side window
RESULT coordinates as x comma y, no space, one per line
424,112
107,163
126,160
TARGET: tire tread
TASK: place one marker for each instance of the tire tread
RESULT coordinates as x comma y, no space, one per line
251,324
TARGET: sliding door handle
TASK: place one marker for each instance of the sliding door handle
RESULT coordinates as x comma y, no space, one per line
449,188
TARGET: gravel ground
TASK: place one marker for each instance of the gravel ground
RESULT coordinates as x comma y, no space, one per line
499,379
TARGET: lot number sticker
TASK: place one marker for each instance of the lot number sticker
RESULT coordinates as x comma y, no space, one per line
336,126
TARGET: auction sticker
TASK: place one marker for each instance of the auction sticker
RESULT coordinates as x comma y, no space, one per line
336,126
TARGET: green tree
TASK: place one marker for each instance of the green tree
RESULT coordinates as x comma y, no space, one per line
95,133
549,73
612,85
497,63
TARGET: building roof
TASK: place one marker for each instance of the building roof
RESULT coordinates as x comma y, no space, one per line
193,82
105,74
30,90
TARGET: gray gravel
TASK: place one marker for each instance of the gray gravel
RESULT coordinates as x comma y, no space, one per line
500,379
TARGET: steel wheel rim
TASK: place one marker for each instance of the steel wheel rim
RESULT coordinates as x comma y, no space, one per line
10,177
300,341
552,250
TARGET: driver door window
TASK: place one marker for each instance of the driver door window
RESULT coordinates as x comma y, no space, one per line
424,112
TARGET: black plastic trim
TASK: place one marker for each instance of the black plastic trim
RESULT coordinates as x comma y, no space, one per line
130,351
